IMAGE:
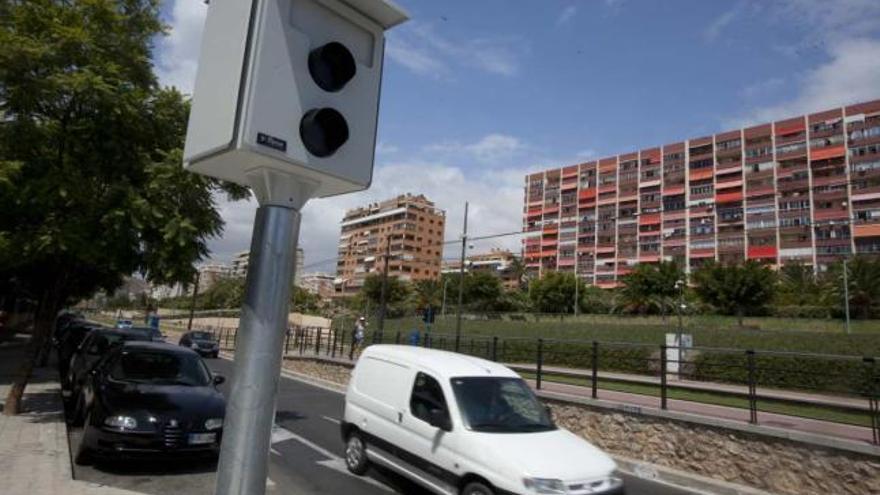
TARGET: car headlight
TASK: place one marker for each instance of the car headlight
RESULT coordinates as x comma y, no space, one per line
213,423
544,485
121,422
194,346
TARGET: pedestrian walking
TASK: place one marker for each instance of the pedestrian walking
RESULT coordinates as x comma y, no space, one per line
357,337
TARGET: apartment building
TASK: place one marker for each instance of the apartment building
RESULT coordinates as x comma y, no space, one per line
241,260
318,283
410,226
803,189
499,262
211,273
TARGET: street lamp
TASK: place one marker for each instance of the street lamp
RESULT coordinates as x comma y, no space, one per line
445,284
846,293
680,285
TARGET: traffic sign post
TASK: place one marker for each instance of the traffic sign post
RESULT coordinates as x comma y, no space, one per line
286,101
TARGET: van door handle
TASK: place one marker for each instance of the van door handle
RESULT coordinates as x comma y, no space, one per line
400,417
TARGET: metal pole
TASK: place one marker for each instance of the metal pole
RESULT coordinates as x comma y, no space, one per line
576,285
192,304
443,311
243,464
381,330
461,280
846,293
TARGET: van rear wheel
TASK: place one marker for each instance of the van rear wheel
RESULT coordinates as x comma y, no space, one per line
477,488
356,454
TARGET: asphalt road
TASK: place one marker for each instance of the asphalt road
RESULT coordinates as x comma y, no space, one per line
305,457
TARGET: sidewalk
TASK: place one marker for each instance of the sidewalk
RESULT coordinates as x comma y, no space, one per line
794,423
34,456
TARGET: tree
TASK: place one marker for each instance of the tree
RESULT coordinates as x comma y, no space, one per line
554,292
651,288
735,289
90,158
303,301
798,286
482,290
427,293
396,293
863,277
519,271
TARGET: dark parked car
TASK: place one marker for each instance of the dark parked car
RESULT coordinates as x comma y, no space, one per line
96,345
151,399
201,342
154,333
69,342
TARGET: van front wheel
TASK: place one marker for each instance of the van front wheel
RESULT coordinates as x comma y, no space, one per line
356,454
477,488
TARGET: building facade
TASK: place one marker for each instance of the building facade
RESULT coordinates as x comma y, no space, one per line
499,262
804,189
211,273
241,260
409,227
318,283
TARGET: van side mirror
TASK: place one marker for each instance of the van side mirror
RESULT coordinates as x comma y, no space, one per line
439,419
218,379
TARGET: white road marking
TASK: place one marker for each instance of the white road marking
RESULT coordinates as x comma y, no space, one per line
332,420
334,462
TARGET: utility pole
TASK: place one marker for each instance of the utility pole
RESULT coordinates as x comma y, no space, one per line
680,285
445,284
846,293
380,332
192,304
461,280
577,285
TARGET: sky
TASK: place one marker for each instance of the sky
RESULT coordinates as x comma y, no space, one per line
476,95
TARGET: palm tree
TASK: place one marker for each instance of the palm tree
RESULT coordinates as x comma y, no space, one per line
519,271
864,285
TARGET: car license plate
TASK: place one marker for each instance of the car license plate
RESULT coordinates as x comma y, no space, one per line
202,438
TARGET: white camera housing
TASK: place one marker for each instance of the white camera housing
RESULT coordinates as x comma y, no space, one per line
254,87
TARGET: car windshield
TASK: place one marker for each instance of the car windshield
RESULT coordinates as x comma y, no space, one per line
201,336
164,368
500,405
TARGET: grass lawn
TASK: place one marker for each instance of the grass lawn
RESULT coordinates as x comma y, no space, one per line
803,335
811,411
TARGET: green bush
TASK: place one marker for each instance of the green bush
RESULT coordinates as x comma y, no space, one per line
821,312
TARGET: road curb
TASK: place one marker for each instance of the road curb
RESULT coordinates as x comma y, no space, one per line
701,485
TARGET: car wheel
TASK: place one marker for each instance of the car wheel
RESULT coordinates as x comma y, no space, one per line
215,355
356,454
477,488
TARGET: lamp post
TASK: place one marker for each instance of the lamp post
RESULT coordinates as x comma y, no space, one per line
445,284
846,293
461,280
679,284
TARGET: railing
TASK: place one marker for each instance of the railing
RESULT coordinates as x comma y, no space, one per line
840,388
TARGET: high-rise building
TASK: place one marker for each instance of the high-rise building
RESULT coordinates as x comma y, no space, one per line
409,226
211,273
241,260
804,189
498,262
318,283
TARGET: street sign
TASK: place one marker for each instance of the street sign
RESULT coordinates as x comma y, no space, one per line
291,86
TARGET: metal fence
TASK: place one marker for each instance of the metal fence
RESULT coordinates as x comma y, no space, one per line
825,382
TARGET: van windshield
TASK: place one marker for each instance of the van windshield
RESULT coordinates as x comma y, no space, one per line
500,405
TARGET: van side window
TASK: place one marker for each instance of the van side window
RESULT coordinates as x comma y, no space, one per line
426,395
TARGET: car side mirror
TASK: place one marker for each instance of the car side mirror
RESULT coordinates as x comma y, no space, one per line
218,379
439,419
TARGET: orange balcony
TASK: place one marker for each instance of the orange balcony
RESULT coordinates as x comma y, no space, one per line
829,152
758,252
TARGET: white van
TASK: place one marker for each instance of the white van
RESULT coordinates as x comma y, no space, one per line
462,425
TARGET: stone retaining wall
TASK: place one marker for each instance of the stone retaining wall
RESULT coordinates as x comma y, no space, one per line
776,465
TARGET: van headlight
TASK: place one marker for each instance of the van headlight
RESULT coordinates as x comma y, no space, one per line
213,423
544,485
121,422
